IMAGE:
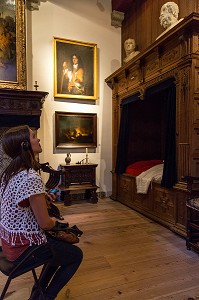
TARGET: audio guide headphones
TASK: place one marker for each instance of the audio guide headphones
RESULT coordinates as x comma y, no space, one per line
25,145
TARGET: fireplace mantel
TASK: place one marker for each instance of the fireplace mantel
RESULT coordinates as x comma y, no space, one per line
21,102
21,106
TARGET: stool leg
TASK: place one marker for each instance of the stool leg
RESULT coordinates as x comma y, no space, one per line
5,288
38,283
67,198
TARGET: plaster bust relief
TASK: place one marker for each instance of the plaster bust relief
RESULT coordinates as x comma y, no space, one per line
129,46
169,16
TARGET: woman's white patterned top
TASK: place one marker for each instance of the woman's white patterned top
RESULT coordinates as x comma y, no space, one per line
17,220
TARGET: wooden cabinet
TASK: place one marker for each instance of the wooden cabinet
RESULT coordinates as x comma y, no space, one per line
174,55
78,177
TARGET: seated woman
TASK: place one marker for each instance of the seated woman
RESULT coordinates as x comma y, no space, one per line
24,214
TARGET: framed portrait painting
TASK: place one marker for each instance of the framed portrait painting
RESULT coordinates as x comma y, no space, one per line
75,130
12,44
75,69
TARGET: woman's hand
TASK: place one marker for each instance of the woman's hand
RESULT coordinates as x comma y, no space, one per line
51,196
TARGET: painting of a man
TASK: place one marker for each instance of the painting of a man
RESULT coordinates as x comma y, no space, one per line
75,69
74,76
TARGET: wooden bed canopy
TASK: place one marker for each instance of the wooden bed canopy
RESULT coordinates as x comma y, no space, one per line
172,59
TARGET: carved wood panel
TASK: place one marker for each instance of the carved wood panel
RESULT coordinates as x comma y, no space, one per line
125,190
164,203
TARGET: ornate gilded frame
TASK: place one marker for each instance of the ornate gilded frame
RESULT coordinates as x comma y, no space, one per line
13,66
64,51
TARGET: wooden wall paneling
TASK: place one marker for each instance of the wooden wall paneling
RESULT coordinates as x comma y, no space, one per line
156,29
131,27
144,28
128,30
186,7
195,94
183,103
142,22
155,23
195,117
194,98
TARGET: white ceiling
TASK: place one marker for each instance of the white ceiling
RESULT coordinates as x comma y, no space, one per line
94,10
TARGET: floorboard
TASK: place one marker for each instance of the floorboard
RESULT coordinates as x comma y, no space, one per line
126,256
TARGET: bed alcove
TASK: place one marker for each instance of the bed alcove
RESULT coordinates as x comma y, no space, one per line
147,125
148,130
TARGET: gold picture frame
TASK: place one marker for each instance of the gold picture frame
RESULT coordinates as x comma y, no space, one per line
75,69
13,45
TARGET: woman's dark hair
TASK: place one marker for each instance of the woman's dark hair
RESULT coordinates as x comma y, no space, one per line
16,144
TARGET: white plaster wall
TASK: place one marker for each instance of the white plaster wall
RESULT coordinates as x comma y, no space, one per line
91,25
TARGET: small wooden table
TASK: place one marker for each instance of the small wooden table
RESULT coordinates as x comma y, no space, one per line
76,177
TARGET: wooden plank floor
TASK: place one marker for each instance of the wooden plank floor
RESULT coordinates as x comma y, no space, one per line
126,256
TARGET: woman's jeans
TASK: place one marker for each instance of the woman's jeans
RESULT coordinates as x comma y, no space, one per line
65,262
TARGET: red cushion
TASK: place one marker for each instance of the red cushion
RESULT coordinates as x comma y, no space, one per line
140,166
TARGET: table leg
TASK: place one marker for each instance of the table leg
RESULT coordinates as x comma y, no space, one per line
66,198
91,195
